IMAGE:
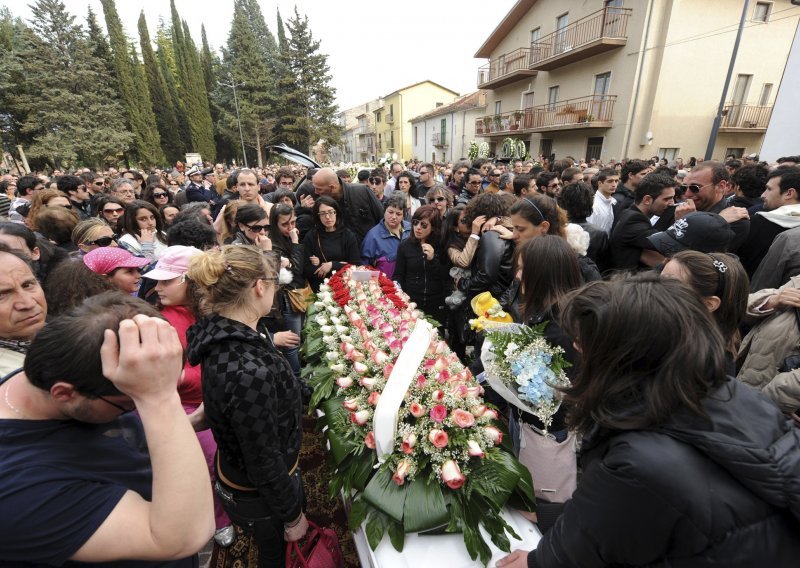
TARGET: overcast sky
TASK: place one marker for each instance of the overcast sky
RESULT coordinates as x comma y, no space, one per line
374,47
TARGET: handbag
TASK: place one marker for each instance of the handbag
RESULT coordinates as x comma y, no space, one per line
321,550
791,362
553,466
300,298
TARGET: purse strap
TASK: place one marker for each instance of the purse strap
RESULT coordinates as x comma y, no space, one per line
312,536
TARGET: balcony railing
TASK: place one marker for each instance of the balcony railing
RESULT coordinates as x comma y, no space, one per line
596,33
505,69
585,112
439,139
745,117
360,130
389,119
361,148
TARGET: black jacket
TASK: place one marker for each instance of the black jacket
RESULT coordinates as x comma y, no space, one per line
492,267
254,405
716,491
361,210
426,282
339,247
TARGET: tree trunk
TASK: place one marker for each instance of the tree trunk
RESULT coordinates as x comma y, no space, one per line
258,149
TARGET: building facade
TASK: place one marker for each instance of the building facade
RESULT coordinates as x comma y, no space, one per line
445,133
394,134
633,78
358,139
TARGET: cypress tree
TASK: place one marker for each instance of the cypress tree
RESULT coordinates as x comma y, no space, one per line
138,107
13,82
168,66
163,107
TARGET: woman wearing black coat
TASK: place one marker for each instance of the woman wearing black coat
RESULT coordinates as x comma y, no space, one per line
682,466
329,245
420,270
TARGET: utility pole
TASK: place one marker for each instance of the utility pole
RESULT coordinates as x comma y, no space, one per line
712,140
232,85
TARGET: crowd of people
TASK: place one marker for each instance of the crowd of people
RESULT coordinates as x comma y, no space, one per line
669,286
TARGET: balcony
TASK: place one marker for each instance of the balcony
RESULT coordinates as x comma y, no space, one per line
439,139
360,130
745,118
389,119
506,69
585,112
596,33
361,148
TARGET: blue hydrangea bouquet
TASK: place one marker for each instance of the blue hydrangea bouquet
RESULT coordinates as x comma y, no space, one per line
525,369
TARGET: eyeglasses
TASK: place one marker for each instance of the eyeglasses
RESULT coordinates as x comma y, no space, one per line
328,213
114,404
159,194
438,199
117,211
497,175
553,185
270,280
693,187
376,180
103,241
422,224
422,173
478,182
99,183
257,228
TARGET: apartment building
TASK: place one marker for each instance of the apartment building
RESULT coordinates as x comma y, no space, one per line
444,133
392,128
358,138
633,78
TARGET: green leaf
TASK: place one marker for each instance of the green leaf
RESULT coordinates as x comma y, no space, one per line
358,512
495,477
385,495
397,535
376,527
424,508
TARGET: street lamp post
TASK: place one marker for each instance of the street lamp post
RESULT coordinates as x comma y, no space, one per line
233,86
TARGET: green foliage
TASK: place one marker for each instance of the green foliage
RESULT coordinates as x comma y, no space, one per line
425,507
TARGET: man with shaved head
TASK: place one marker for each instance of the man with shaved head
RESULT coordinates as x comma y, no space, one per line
361,210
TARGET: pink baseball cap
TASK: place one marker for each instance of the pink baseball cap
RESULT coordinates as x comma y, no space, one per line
173,263
103,260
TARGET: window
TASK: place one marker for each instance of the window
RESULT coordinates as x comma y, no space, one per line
380,142
562,42
391,140
377,117
766,93
442,130
546,147
535,35
527,100
552,97
497,107
594,147
669,153
737,153
762,12
415,136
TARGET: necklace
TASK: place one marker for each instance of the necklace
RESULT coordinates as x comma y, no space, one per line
8,402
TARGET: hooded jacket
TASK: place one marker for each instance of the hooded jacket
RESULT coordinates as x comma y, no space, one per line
721,490
254,405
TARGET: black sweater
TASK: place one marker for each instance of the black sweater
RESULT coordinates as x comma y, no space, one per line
339,247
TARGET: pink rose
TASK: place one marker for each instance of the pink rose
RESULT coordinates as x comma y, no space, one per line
379,357
387,370
490,414
438,413
369,440
344,382
409,441
479,410
421,380
474,392
373,398
437,395
441,364
369,345
359,417
399,476
395,345
350,404
416,410
459,391
474,449
451,475
443,376
429,363
495,435
347,347
462,418
367,382
360,368
438,438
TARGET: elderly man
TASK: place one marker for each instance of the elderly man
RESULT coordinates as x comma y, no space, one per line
360,208
77,485
123,189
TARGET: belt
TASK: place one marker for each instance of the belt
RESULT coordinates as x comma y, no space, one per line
229,483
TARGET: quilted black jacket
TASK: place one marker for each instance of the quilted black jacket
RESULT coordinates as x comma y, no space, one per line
716,491
254,405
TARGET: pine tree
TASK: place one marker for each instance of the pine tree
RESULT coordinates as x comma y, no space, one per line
13,82
191,88
312,105
99,46
168,66
138,106
67,87
163,106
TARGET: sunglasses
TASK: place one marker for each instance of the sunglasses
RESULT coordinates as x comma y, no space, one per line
158,194
113,211
376,181
438,199
422,224
103,241
473,183
693,187
257,228
99,183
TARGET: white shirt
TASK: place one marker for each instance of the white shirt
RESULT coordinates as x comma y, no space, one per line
602,215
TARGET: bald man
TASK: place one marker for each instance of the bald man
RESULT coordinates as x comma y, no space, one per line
360,208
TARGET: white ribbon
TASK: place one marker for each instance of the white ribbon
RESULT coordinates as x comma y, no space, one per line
384,423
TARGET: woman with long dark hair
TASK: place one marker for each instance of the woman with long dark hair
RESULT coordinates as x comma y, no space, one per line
682,466
329,245
251,398
142,230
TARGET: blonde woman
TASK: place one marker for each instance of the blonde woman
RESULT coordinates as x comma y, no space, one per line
91,234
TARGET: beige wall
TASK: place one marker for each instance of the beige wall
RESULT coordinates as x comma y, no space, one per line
679,73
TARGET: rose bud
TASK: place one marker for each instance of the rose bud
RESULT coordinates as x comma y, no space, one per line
340,329
495,435
416,410
399,476
344,382
451,475
438,413
367,382
459,391
350,403
479,410
396,345
441,347
474,449
369,440
387,370
347,347
337,368
421,381
331,356
373,398
409,441
379,357
491,414
462,418
357,355
429,363
441,364
360,417
438,438
360,367
473,392
437,395
443,376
